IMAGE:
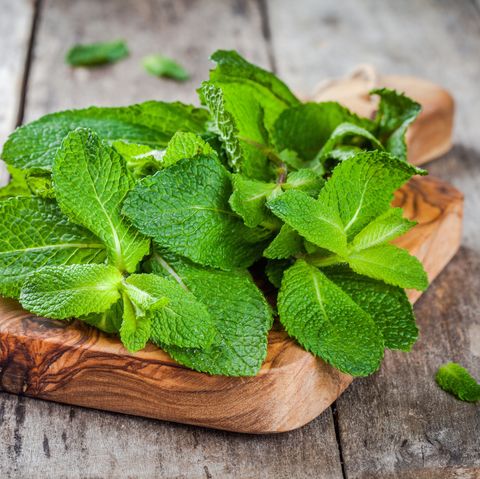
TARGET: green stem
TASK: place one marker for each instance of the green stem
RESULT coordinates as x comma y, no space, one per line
321,261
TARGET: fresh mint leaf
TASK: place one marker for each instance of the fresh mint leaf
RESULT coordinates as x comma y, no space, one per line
269,91
456,380
142,160
185,145
241,314
274,270
248,200
238,121
97,53
108,321
62,292
136,328
388,305
391,264
151,123
386,227
17,185
395,114
161,66
304,180
91,181
327,322
306,128
185,209
287,243
34,233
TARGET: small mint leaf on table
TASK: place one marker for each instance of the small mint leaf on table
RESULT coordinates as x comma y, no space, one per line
91,181
152,123
135,328
456,380
177,317
97,53
62,292
161,66
327,322
108,321
35,233
185,209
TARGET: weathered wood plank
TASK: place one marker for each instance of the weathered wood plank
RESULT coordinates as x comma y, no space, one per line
16,20
40,439
437,40
398,423
187,30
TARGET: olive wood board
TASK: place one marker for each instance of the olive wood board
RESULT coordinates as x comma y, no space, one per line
76,364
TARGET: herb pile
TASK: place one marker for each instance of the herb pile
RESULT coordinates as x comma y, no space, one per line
157,221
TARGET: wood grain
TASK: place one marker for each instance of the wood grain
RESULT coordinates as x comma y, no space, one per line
75,364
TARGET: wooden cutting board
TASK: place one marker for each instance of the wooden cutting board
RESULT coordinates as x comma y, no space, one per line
75,364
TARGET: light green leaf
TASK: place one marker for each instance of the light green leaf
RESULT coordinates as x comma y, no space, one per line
390,264
162,66
136,328
108,321
456,380
362,188
275,269
269,91
35,233
238,120
307,127
304,180
151,123
287,243
97,53
185,209
91,181
142,160
394,115
242,317
178,318
327,322
249,198
17,185
314,220
74,290
185,145
388,305
384,228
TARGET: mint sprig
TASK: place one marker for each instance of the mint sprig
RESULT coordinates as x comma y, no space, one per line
142,222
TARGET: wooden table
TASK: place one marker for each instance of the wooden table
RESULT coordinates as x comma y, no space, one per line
395,424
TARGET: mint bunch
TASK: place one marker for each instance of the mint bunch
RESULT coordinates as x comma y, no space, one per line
157,221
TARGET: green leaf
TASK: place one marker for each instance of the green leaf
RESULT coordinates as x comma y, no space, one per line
346,134
390,264
185,145
456,380
136,328
238,121
35,233
178,318
384,228
91,181
151,123
97,53
242,317
395,113
275,269
74,290
362,188
327,322
142,160
287,243
307,127
162,66
314,220
269,91
17,186
248,200
388,305
304,180
185,209
108,321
